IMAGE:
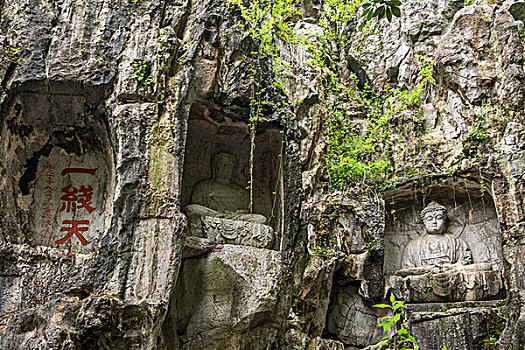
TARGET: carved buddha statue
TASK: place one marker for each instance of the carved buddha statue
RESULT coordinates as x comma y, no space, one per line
219,208
436,248
438,266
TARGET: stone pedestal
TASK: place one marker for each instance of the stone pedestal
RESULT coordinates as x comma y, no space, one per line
464,325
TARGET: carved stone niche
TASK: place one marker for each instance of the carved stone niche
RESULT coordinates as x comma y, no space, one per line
430,262
216,181
54,189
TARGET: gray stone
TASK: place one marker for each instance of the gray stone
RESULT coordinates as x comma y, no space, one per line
70,93
517,10
350,319
196,246
222,296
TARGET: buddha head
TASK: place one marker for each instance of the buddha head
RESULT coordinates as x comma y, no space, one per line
223,166
434,216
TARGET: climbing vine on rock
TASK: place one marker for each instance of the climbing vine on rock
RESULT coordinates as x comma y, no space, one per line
360,121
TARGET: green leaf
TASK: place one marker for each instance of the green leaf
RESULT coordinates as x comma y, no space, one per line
366,5
389,14
386,325
392,298
402,332
396,11
370,15
382,306
397,305
396,318
394,3
411,339
382,13
376,12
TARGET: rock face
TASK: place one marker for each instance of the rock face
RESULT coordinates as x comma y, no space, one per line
111,113
224,300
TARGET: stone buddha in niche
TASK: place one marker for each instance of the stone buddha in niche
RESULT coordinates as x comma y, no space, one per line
443,262
219,208
436,248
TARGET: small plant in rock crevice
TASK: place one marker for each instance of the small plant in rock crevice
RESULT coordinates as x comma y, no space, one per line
12,54
142,72
131,3
478,134
399,338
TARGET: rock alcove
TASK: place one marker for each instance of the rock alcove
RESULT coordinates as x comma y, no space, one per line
473,231
231,259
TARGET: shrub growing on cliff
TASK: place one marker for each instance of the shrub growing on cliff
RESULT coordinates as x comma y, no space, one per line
358,118
400,339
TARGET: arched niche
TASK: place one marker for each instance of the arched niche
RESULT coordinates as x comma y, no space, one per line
57,164
471,216
208,136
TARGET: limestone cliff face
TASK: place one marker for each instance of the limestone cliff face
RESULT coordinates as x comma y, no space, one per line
110,114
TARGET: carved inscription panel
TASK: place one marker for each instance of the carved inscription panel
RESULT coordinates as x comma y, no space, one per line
69,201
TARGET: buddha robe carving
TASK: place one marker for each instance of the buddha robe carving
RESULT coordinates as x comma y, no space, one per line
219,209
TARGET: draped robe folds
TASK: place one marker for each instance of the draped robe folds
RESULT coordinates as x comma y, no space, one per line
434,250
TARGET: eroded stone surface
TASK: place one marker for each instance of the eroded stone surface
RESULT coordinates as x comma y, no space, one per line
351,319
74,70
223,295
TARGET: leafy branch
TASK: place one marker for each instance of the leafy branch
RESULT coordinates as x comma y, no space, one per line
382,9
401,338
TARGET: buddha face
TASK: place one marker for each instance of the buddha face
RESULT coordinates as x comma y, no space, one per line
224,166
434,222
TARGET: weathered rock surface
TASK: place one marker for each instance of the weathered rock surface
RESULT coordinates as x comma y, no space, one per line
71,97
225,300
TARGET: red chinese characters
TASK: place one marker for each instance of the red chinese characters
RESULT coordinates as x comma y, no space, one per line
74,230
75,199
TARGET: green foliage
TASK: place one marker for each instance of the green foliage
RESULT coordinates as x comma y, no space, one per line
401,338
370,245
131,3
142,72
325,249
358,120
382,9
12,54
468,2
361,151
495,328
478,134
268,23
